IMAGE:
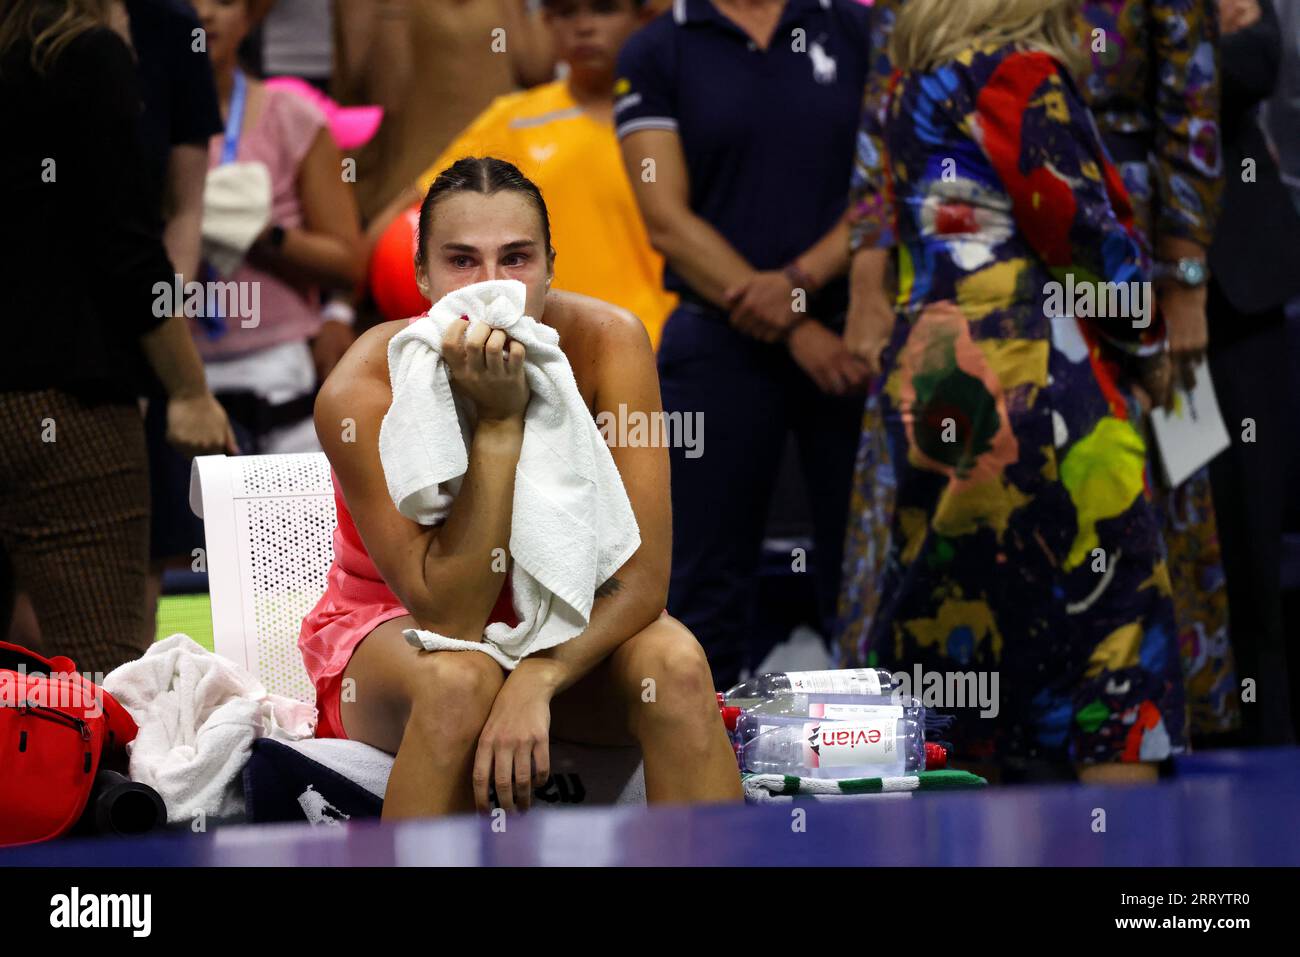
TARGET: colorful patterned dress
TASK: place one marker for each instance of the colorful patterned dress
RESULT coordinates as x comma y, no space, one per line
1021,534
1153,88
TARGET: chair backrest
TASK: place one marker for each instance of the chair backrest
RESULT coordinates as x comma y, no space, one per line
269,522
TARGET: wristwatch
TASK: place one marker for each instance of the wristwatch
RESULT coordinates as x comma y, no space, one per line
275,237
1186,272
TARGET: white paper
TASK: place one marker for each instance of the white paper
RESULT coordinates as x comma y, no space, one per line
1194,433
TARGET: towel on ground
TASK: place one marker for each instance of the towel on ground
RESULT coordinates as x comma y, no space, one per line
198,715
328,780
786,788
572,524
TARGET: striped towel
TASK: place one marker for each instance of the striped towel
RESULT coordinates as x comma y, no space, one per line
783,788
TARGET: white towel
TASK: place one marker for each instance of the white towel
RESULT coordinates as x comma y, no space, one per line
198,714
572,524
236,208
580,774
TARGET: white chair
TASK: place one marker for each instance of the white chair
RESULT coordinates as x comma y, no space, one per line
269,522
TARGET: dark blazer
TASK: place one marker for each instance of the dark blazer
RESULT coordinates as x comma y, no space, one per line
1255,255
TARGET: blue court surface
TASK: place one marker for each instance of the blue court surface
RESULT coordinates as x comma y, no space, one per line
1224,808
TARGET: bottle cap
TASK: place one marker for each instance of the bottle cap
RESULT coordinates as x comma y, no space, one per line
936,756
730,715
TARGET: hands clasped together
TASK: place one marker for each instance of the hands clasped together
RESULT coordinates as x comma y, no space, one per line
763,307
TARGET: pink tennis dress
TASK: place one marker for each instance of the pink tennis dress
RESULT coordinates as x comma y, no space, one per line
356,601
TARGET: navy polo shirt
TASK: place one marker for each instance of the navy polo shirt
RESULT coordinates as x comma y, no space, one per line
768,135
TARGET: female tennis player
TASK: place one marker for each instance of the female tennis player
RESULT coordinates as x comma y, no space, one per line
457,722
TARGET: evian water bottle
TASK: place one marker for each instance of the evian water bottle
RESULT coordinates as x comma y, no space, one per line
872,681
881,745
832,707
839,707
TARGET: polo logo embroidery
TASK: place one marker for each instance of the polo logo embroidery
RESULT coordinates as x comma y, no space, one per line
541,154
823,63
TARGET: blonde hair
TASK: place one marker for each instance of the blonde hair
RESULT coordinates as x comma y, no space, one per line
931,32
47,26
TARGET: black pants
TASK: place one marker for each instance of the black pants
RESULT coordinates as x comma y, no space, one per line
1248,360
748,396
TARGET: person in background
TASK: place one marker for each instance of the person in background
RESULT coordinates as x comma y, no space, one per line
265,368
433,65
298,40
1281,122
868,326
294,47
312,242
736,119
10,626
1254,270
1154,87
180,116
1152,84
1013,427
561,134
17,616
1282,112
74,497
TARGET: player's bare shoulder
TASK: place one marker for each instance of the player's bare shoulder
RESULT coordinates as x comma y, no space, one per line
607,346
589,327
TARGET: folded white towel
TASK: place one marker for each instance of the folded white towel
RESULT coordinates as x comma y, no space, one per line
579,774
572,524
198,714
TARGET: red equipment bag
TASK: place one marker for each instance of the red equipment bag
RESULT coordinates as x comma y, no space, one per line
54,727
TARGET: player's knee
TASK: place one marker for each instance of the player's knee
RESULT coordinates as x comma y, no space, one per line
681,684
451,696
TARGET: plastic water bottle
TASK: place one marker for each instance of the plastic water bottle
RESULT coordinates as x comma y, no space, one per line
887,744
832,707
838,707
872,681
846,707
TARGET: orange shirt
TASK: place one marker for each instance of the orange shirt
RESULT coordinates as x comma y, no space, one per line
601,246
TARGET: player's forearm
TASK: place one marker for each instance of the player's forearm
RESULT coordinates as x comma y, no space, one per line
624,605
468,555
